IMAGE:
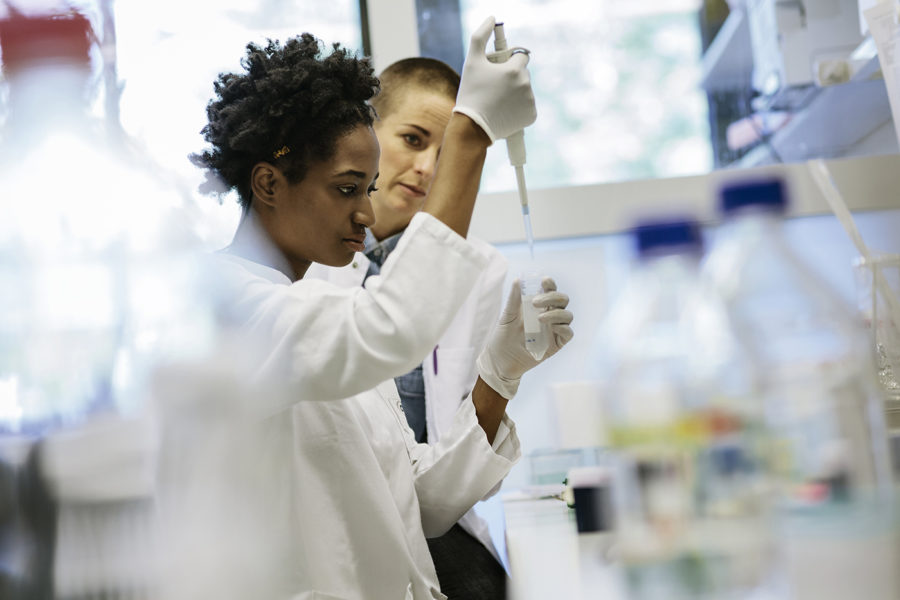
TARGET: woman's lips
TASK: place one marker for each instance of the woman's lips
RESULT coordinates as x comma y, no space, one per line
413,190
355,245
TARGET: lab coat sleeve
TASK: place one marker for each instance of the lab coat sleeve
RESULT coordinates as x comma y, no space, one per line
490,302
447,386
331,343
490,297
461,469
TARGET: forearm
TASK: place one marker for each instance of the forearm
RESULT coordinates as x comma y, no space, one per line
461,468
458,175
489,408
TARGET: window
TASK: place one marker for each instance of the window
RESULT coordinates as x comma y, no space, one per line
616,84
170,51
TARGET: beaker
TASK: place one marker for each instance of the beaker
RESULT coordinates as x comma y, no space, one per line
878,293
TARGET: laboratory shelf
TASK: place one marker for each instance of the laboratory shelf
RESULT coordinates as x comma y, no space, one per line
839,120
835,121
728,62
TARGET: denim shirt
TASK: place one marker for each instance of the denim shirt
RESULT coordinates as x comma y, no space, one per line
411,386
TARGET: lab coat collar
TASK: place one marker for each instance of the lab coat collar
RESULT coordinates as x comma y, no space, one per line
378,252
252,242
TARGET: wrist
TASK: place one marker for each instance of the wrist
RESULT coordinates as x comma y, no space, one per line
490,374
466,130
490,406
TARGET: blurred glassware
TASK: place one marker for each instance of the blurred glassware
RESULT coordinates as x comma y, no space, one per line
549,466
102,287
692,500
94,248
824,408
875,277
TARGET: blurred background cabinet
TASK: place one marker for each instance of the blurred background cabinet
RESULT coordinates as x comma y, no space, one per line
789,80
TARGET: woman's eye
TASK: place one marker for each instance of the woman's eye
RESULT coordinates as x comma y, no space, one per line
347,190
372,189
412,139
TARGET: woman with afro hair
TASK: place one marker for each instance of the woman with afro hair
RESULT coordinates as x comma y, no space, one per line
293,136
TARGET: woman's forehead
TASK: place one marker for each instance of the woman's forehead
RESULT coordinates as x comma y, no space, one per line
414,98
357,151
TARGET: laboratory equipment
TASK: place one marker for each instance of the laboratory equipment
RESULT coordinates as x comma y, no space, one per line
66,320
591,494
824,409
878,284
515,144
536,335
101,286
692,517
96,264
812,348
877,279
788,38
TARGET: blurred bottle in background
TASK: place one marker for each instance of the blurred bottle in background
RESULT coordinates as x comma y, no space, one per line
822,403
692,515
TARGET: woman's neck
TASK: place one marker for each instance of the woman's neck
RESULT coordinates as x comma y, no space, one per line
252,242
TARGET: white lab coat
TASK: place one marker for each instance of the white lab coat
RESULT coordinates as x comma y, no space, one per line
454,354
362,494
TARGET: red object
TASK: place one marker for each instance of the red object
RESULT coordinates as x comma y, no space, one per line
26,39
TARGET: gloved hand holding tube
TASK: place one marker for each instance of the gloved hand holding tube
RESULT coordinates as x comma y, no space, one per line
505,358
496,95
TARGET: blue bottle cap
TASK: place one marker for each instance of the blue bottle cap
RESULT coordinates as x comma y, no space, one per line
767,194
668,237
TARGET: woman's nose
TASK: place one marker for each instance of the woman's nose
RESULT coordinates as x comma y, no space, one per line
425,163
365,214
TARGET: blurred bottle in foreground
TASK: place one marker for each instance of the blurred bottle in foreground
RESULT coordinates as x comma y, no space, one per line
103,309
692,515
823,406
92,244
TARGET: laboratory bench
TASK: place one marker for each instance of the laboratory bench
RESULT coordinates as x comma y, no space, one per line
549,558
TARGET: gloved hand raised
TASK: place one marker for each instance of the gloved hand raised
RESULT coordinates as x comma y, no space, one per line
505,359
497,96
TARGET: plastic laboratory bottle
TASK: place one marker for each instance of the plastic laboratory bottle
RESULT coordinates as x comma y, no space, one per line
103,292
97,262
823,408
692,503
536,335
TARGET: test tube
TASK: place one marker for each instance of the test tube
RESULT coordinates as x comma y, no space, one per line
535,334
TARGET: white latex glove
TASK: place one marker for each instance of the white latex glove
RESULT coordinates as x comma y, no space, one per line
497,96
504,359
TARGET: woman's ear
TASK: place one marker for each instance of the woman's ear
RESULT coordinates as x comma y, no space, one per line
265,182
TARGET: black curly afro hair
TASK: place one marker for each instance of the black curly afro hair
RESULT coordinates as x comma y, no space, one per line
289,109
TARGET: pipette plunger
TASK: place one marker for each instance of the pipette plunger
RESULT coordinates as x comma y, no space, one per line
515,144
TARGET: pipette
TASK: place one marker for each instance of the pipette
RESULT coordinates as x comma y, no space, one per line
515,144
536,335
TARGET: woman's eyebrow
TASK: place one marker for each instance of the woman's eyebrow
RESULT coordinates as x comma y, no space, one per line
424,131
351,172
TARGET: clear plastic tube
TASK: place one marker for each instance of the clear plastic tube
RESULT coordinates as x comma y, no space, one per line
536,341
